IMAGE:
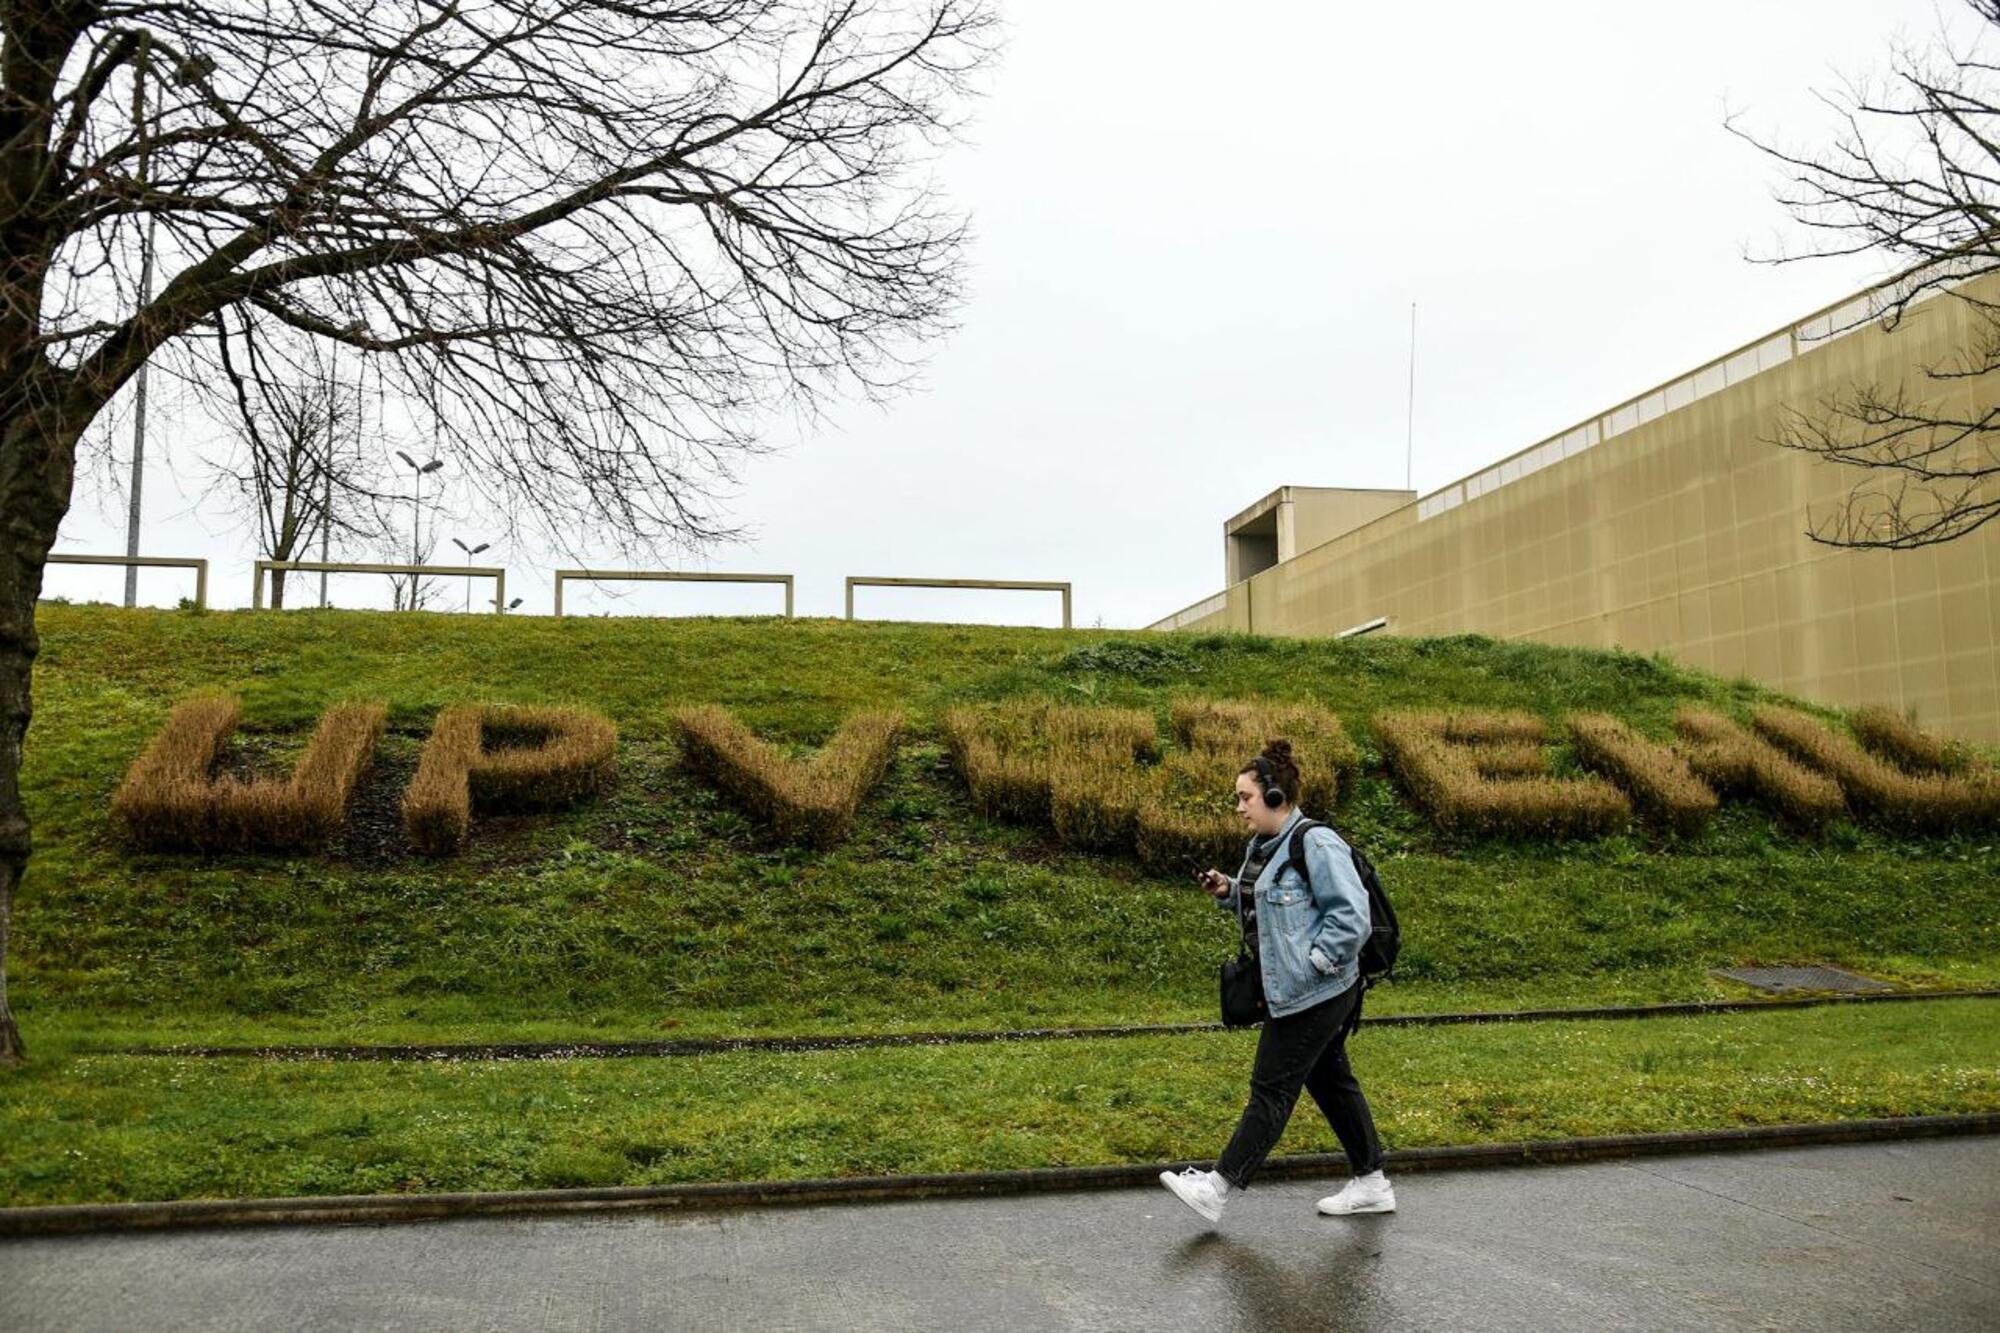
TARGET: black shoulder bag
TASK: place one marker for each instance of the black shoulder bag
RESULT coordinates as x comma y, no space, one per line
1242,980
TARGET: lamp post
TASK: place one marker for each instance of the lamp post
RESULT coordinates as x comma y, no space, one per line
470,551
145,299
417,516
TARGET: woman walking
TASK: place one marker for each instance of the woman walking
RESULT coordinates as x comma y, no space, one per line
1305,932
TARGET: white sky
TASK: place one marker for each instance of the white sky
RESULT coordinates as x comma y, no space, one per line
1197,242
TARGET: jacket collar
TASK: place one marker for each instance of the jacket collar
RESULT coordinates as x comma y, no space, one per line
1284,831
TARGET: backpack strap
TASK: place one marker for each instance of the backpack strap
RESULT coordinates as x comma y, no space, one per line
1295,858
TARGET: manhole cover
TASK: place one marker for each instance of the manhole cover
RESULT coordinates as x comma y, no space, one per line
1780,979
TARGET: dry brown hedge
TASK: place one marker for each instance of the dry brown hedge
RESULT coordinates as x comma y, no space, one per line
1008,756
1509,759
1924,802
1490,727
1085,772
1187,813
1226,733
1905,744
504,757
1657,777
1436,757
1187,818
811,803
172,799
1094,806
1737,762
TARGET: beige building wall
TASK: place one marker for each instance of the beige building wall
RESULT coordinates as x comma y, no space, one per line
1672,524
1292,519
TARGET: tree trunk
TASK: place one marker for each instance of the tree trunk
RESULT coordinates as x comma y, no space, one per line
37,467
278,588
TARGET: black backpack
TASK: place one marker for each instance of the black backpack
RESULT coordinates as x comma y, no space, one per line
1385,938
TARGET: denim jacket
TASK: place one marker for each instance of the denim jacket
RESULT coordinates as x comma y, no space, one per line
1309,930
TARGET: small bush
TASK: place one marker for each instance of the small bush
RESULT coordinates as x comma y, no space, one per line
811,803
1508,759
1437,759
1737,763
501,757
1228,733
1083,771
1187,817
1094,806
1010,755
1480,727
1922,802
1905,744
1139,659
171,798
1667,792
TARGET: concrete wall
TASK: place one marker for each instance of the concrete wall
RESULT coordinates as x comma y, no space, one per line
1672,524
1293,519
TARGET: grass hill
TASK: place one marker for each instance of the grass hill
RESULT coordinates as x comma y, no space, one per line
664,908
661,910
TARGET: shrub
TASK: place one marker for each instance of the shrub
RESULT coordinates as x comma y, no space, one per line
1437,759
1140,659
812,803
1657,777
1923,802
1186,818
1508,759
162,803
1905,744
1010,756
1081,771
502,757
1480,727
1227,733
171,798
1737,763
1094,806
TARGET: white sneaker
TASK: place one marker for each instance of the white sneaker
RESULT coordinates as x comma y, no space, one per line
1363,1194
1197,1189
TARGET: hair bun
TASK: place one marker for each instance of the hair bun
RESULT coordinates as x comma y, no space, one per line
1278,751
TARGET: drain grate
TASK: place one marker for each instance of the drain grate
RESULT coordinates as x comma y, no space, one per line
1779,980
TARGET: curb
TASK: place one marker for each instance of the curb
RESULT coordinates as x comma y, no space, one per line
576,1050
76,1219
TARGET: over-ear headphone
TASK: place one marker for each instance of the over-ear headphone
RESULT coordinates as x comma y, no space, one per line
1274,795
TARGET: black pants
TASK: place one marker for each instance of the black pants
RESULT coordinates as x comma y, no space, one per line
1303,1050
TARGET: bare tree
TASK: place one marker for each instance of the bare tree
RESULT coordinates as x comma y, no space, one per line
297,471
411,592
1913,175
591,240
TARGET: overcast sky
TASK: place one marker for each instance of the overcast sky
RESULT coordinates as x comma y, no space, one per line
1198,234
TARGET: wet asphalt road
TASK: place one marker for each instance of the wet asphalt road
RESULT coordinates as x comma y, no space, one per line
1868,1237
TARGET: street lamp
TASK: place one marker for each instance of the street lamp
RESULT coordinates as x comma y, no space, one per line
470,551
417,515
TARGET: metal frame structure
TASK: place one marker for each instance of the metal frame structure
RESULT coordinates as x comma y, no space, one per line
494,572
861,581
667,576
199,566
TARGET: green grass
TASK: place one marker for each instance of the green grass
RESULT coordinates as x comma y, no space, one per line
662,910
80,1127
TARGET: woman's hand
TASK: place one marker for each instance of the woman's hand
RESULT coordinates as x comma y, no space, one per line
1214,881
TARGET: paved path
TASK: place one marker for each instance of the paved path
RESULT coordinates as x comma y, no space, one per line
1869,1237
